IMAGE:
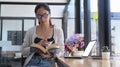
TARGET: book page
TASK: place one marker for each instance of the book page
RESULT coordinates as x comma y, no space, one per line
52,46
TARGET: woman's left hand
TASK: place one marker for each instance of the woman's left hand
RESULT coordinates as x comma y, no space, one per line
46,55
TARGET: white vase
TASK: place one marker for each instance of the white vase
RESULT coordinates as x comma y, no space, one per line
78,53
105,55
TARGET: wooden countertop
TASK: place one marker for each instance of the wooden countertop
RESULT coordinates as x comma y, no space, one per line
89,62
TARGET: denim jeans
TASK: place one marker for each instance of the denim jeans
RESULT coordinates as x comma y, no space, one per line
37,61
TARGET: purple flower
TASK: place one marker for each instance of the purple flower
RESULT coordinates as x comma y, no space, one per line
82,44
75,40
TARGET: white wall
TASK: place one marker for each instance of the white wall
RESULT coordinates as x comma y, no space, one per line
28,10
49,1
17,10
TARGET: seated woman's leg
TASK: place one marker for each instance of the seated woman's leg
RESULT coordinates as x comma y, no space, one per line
40,62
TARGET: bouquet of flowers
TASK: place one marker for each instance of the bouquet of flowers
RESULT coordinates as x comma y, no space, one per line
75,42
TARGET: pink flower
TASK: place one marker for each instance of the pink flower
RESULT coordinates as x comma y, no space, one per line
81,44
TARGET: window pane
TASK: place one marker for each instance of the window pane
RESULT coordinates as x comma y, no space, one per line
115,26
71,19
28,23
94,26
12,31
115,38
0,30
57,22
71,27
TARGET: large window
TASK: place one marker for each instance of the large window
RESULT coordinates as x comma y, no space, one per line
0,30
115,26
94,26
71,18
94,19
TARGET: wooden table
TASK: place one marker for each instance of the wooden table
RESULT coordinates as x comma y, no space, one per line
89,62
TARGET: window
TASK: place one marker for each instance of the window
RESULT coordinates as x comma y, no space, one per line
0,30
15,37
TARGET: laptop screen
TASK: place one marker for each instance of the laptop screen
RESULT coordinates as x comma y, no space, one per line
89,48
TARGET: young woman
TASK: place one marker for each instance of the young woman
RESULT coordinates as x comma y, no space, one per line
43,33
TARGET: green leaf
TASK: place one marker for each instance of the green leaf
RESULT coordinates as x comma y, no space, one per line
105,49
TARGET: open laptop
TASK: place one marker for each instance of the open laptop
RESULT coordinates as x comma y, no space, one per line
86,52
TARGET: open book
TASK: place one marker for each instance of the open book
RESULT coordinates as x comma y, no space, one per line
52,46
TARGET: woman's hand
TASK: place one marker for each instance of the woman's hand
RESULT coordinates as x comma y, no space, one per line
43,55
44,42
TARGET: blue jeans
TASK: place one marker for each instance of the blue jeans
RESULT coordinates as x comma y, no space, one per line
37,61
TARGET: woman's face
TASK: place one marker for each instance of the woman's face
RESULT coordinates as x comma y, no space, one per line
43,16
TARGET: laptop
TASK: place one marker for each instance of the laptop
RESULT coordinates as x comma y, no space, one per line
86,52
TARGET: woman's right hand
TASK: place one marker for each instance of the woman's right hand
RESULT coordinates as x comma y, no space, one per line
44,42
45,55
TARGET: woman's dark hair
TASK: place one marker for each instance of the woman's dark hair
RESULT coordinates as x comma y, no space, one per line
46,7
